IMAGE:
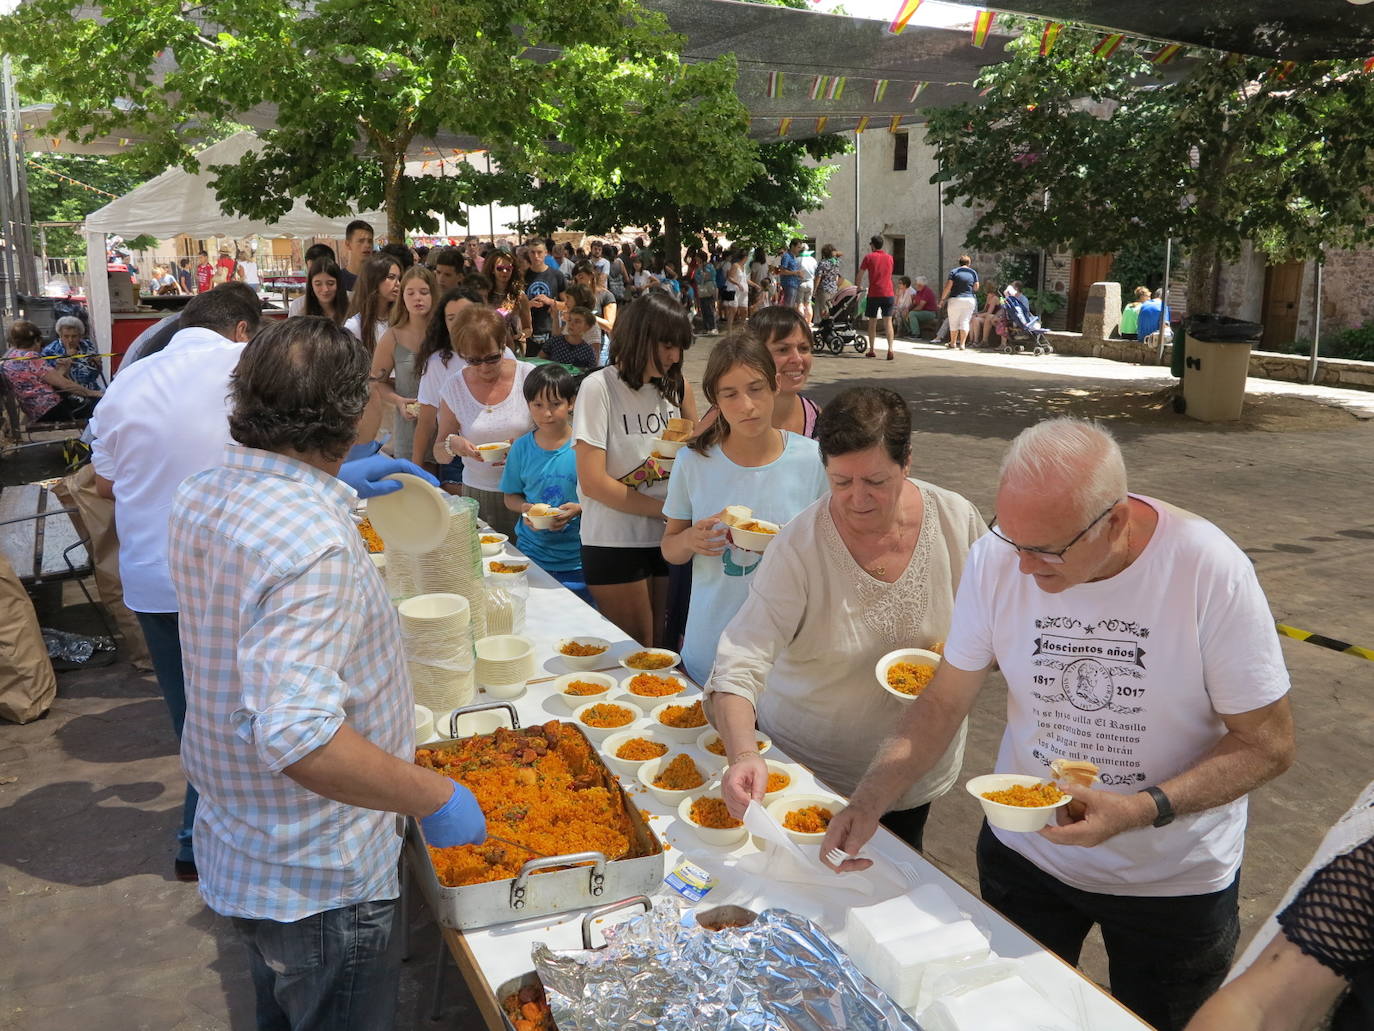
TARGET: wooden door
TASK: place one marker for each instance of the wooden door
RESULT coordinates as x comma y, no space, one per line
1086,270
1282,294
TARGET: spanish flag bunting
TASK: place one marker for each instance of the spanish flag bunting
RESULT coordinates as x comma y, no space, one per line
836,89
424,166
982,25
818,85
879,89
895,123
1166,54
915,92
903,16
774,84
1107,45
56,143
1284,69
1369,65
820,123
1047,37
863,124
784,126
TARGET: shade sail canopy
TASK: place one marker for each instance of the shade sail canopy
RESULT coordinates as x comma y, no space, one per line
1294,30
178,201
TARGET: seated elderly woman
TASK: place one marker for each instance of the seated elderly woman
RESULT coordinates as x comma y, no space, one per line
983,331
870,567
73,355
44,394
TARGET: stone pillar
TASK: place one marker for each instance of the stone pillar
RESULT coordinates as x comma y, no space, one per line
1102,313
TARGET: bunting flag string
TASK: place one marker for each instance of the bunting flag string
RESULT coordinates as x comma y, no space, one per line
903,16
879,89
774,84
982,25
836,90
66,178
863,124
1106,46
1283,69
915,92
1048,36
820,124
1166,54
818,85
895,124
784,126
1369,65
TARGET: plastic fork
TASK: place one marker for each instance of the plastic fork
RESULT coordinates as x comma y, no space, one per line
836,856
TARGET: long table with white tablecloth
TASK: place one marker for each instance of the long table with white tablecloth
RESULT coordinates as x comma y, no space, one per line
491,956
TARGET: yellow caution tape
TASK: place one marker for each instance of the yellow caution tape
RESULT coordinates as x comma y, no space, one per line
1325,642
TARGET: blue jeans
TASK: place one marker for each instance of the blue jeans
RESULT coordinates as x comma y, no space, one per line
708,313
1165,956
789,293
333,971
164,647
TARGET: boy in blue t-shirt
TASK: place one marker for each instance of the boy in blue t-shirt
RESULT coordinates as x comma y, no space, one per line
541,469
572,348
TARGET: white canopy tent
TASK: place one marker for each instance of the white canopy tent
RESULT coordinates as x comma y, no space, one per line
181,202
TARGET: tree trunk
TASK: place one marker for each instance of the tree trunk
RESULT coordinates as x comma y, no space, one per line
393,168
1204,271
672,238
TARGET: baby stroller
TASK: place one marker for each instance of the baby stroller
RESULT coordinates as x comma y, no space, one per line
836,328
1023,328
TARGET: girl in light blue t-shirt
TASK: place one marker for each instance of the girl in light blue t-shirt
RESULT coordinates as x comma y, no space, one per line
740,459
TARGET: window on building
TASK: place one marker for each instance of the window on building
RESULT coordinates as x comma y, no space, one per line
897,246
901,144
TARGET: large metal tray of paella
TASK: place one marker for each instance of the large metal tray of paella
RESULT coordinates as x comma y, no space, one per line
572,837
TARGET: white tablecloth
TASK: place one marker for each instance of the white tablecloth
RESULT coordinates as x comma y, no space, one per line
503,951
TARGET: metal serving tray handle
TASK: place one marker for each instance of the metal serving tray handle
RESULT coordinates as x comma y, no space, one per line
596,885
481,707
606,910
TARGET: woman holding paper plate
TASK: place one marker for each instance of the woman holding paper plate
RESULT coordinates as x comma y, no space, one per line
870,567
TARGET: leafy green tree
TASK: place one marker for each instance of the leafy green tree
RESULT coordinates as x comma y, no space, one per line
791,179
589,92
68,187
1074,150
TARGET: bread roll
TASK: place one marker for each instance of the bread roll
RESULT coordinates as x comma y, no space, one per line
541,510
735,515
1077,772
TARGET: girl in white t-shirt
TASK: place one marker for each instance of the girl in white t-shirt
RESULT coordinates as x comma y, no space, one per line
395,363
620,411
483,404
373,295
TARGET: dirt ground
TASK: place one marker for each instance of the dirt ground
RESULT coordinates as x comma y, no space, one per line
95,933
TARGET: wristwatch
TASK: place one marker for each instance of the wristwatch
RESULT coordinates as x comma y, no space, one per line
1163,805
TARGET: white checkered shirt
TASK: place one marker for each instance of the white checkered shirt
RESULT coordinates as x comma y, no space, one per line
286,633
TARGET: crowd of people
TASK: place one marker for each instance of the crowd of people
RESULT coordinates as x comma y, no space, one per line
1131,633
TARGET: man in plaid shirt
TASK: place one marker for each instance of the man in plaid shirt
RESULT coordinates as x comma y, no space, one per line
298,728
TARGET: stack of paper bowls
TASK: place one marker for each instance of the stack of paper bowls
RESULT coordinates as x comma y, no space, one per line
454,567
438,644
505,664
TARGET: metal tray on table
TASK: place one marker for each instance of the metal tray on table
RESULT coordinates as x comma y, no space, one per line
556,891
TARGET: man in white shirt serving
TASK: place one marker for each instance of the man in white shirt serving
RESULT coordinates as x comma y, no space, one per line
1133,635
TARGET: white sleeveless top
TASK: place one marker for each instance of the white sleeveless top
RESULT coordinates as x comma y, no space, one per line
508,419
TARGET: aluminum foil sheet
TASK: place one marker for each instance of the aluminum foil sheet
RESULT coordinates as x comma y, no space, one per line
663,972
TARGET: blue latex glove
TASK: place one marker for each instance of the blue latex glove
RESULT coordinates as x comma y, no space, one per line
366,475
459,821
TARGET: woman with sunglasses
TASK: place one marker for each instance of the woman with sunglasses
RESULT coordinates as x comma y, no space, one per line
483,404
507,295
871,567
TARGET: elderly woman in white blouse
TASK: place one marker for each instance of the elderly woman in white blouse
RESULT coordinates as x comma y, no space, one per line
870,567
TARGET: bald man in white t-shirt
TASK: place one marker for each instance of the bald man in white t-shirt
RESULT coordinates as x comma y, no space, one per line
1135,636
